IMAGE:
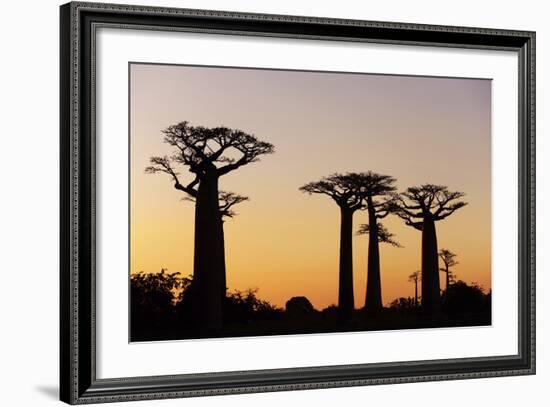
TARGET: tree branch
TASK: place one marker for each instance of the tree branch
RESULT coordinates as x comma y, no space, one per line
442,214
384,235
162,164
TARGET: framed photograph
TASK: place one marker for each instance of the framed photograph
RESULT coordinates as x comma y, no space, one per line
255,203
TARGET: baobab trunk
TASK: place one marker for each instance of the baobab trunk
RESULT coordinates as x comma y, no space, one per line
416,293
345,283
223,271
446,279
373,300
431,302
208,256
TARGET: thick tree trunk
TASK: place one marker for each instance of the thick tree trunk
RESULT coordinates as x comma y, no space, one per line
431,302
446,279
373,299
208,256
416,293
223,271
345,288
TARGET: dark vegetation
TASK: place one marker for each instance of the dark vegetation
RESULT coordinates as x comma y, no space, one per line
169,306
160,310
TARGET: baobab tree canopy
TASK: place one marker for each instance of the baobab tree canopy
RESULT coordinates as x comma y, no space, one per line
344,189
435,201
414,277
374,184
448,258
205,150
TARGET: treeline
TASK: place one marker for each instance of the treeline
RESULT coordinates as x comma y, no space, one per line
160,309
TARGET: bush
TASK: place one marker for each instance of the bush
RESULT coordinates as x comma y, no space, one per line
152,298
245,306
403,304
464,298
299,306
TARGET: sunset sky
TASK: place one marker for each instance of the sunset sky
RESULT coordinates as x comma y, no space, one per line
284,242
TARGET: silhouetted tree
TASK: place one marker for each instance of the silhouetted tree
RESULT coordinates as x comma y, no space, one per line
466,298
373,299
208,153
421,207
449,261
378,192
226,201
413,278
345,190
152,300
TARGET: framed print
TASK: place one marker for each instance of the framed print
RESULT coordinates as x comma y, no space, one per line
241,193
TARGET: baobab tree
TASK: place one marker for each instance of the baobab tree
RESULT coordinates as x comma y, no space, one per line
373,301
448,259
226,201
208,154
413,278
378,192
420,207
345,190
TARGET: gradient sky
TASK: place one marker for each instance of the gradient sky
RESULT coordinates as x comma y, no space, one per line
284,242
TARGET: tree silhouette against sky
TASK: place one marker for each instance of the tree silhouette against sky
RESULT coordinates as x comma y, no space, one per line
226,201
420,207
413,278
448,259
345,190
378,193
208,154
373,300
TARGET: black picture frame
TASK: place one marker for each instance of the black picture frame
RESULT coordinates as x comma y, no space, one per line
78,381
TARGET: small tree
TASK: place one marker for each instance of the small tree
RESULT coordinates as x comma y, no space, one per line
420,207
449,261
152,298
208,154
413,278
465,298
345,191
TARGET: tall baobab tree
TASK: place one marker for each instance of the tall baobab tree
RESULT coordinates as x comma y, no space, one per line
378,190
448,259
208,154
420,207
413,278
226,201
373,301
345,190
